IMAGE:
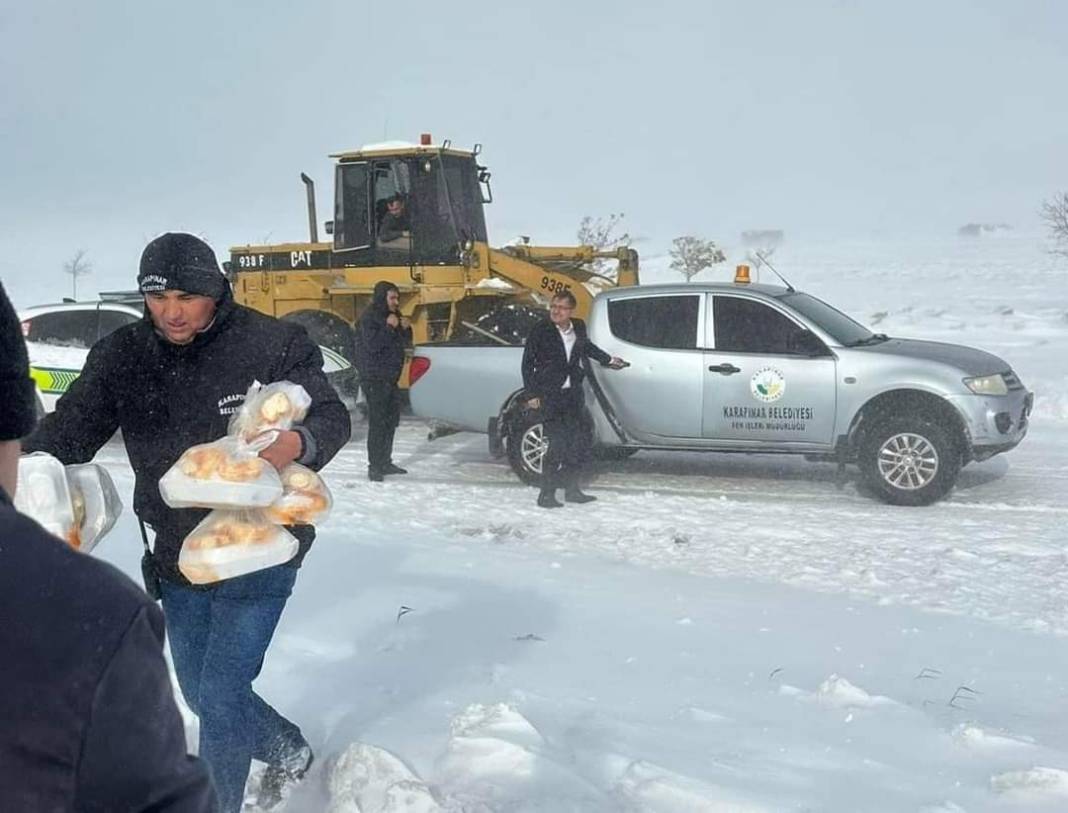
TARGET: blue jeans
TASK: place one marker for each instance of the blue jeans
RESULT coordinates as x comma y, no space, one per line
218,638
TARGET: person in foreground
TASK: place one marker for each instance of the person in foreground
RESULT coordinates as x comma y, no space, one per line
90,722
553,371
170,382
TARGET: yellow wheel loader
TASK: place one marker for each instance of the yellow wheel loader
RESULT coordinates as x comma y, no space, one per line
413,214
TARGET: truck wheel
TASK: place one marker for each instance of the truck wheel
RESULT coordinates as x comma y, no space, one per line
527,447
909,460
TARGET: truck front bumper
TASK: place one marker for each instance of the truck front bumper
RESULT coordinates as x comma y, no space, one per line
996,423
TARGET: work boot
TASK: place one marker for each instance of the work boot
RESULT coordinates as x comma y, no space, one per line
392,468
573,494
278,779
375,475
547,499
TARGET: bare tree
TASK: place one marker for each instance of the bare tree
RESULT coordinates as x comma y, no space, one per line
1055,215
77,266
692,255
603,233
758,257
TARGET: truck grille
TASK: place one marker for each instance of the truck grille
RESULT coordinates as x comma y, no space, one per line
1012,381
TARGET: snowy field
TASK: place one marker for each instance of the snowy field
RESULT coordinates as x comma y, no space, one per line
716,633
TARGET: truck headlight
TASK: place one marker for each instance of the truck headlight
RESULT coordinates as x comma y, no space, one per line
987,385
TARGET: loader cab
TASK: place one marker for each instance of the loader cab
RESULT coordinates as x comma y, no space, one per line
408,205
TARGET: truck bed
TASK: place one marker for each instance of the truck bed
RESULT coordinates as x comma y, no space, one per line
485,375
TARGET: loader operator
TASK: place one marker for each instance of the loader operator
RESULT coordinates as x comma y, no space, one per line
396,223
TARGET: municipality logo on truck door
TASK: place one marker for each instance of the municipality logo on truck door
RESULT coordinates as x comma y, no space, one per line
767,385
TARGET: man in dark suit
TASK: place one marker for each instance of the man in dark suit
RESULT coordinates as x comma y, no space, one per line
553,371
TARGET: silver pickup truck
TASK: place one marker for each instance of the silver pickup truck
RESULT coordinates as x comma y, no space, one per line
733,367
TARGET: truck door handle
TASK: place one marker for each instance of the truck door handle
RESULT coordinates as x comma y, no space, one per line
726,369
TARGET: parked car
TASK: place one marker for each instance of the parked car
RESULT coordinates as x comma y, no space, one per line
749,368
58,338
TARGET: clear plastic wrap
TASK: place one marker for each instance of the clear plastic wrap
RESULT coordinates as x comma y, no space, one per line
43,494
278,406
232,543
305,498
78,503
227,473
95,501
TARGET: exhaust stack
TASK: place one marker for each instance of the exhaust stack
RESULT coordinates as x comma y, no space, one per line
312,228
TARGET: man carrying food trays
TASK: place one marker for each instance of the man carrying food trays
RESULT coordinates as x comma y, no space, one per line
171,382
90,721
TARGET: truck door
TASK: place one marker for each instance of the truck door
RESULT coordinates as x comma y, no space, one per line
766,376
659,396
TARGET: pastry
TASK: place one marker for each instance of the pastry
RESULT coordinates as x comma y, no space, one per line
304,498
201,462
275,408
241,470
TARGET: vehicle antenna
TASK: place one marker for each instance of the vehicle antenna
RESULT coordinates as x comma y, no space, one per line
763,260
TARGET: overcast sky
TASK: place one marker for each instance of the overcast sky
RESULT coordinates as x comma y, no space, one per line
122,120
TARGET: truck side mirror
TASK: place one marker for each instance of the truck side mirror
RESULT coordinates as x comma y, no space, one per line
328,226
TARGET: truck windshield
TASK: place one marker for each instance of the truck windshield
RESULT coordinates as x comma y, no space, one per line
448,207
844,330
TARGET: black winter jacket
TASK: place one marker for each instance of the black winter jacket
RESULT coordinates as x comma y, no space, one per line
89,717
545,363
167,397
379,347
393,227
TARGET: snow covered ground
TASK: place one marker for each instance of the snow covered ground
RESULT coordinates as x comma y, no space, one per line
716,633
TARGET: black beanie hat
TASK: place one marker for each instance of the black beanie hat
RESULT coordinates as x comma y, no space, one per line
180,262
18,400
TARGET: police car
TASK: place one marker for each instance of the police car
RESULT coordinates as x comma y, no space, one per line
58,338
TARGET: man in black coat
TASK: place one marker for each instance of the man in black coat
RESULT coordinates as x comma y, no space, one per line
381,338
553,372
90,722
170,382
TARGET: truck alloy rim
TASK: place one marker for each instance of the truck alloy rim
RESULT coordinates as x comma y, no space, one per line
533,448
908,461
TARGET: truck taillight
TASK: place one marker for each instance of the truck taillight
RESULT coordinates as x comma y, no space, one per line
417,369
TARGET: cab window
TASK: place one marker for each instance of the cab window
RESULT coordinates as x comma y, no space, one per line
668,322
76,328
110,321
748,326
446,208
392,205
352,225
